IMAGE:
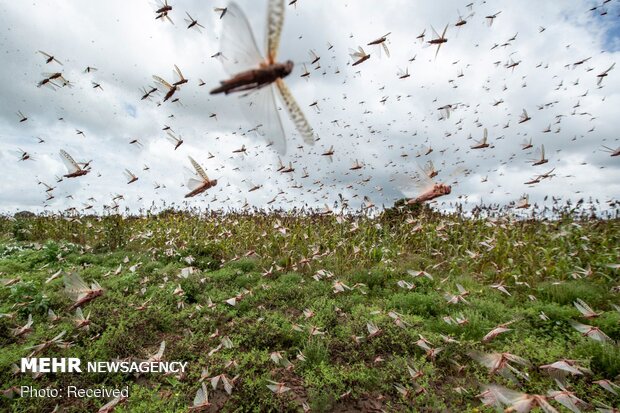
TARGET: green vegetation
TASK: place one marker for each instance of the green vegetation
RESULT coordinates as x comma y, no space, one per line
277,266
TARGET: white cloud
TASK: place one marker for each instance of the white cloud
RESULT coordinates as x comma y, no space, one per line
128,45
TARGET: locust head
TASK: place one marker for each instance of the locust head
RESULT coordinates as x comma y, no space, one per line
286,68
442,189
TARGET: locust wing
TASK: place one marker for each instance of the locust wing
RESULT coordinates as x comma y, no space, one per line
162,82
385,49
160,352
193,184
69,162
75,287
357,54
504,395
411,186
172,139
192,180
295,112
237,43
199,169
202,396
275,21
177,73
259,107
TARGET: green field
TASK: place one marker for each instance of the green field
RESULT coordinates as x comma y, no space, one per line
285,271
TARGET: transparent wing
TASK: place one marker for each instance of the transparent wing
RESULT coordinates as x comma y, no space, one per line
443,35
198,169
506,396
457,172
189,174
357,54
260,108
59,336
75,285
278,388
428,170
237,43
178,72
173,139
227,385
162,81
275,21
191,182
215,381
202,395
414,185
487,360
160,352
406,184
385,48
297,115
71,165
424,183
582,328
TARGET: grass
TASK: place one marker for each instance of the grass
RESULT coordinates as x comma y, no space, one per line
279,265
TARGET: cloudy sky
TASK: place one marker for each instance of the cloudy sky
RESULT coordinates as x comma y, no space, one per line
367,112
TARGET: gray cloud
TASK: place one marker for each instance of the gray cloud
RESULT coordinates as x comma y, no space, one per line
127,45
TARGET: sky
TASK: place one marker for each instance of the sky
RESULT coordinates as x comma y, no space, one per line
368,113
